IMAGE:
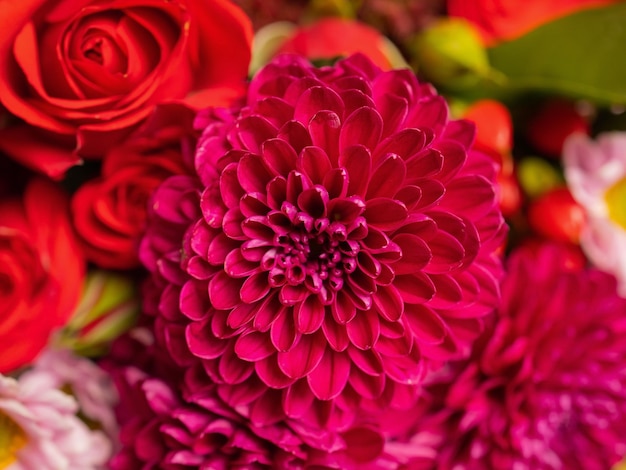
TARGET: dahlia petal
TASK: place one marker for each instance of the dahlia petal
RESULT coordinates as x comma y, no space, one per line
147,444
193,303
363,330
335,334
219,324
242,394
296,135
218,248
367,386
252,174
197,268
268,371
363,444
393,109
396,347
254,288
177,345
362,127
389,302
231,224
366,360
462,131
283,331
264,412
291,295
426,164
313,201
385,213
235,265
473,196
253,130
230,188
387,177
297,399
256,229
201,343
309,314
298,87
432,113
425,324
415,253
368,264
448,294
276,192
345,210
296,183
224,291
456,156
276,110
355,99
241,315
329,378
254,346
253,204
232,369
314,163
407,369
409,195
357,161
415,288
279,156
447,253
303,357
317,99
405,143
212,207
267,312
343,309
432,193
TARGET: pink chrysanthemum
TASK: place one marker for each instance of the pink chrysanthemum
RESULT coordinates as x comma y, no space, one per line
546,386
173,419
40,429
339,240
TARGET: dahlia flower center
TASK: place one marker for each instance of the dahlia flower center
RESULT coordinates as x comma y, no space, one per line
12,439
615,198
314,251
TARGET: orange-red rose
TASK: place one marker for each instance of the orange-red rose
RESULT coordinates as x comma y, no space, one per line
41,271
109,212
90,70
501,20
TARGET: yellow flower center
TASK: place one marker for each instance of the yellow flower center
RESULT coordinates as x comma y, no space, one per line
615,198
12,439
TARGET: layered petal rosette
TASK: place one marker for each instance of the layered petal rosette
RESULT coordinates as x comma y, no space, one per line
338,241
546,386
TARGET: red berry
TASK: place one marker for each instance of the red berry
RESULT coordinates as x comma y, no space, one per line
556,215
552,124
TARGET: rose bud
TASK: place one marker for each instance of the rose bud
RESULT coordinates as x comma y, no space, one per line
108,307
555,120
331,38
449,53
556,215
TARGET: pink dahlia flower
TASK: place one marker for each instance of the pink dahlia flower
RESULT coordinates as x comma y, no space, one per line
338,242
171,418
546,386
596,176
39,428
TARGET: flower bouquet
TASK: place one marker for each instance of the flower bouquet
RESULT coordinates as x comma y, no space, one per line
312,234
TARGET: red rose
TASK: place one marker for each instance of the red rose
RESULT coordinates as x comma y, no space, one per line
41,271
90,70
502,20
110,211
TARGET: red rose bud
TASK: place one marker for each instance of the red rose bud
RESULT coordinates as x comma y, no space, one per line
556,215
108,307
536,176
494,130
554,121
509,194
330,38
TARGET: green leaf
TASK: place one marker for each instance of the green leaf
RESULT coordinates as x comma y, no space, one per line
580,56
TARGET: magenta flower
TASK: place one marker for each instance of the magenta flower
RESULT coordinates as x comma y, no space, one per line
546,387
338,243
174,419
